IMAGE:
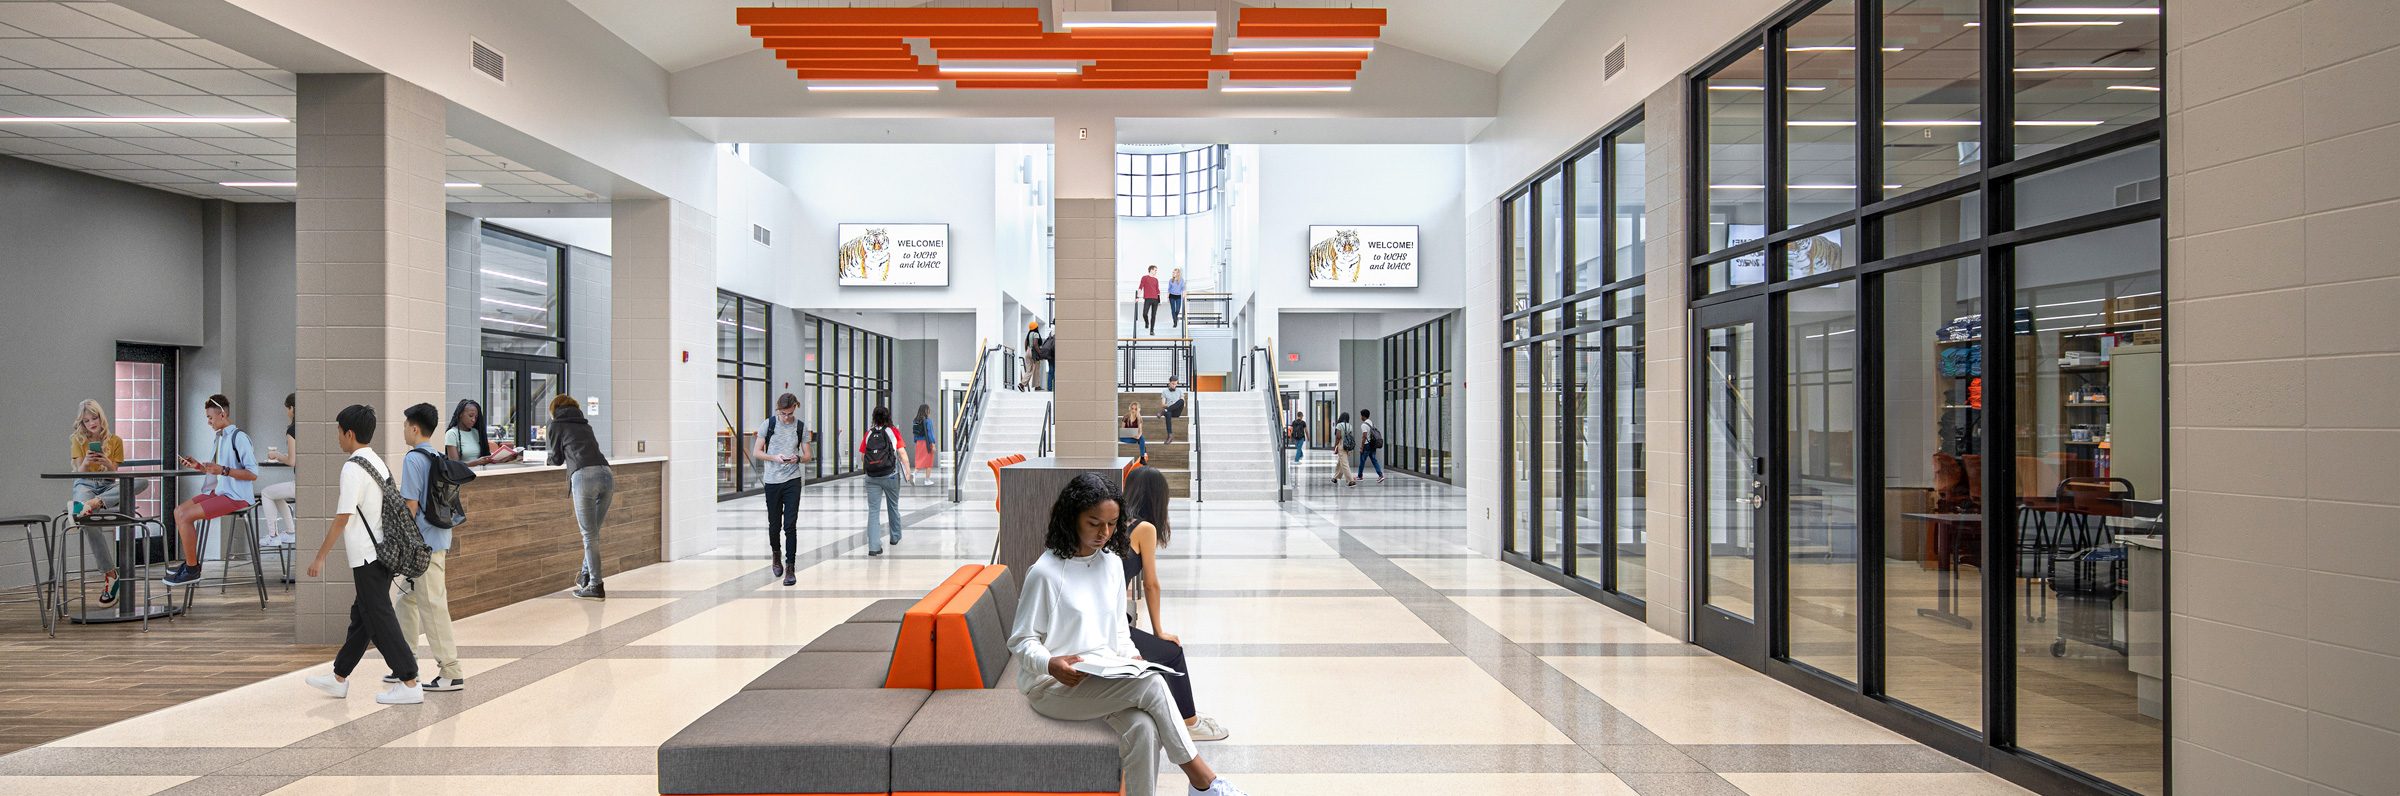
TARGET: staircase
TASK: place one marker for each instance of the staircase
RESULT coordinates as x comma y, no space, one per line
1012,423
1237,446
1174,460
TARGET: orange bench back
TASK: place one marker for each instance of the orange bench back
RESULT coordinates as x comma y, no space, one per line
996,465
913,655
970,641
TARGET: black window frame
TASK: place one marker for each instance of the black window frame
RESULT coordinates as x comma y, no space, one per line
746,371
527,418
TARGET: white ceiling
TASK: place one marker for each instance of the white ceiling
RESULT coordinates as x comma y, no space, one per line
681,34
100,59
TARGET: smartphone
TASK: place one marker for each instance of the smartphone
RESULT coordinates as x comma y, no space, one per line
92,446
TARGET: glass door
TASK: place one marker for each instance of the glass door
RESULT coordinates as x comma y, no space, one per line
1731,467
516,397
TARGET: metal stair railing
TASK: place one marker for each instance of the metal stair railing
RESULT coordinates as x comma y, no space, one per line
1283,477
970,416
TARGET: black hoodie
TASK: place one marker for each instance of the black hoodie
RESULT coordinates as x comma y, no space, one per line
572,442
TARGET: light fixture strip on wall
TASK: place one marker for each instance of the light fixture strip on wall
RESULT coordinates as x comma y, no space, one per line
144,120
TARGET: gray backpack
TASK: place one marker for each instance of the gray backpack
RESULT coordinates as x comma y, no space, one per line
404,553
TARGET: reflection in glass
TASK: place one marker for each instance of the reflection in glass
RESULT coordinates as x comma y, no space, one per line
1552,401
1735,170
502,397
1591,432
1627,435
1821,114
1547,279
2090,186
2077,81
1931,92
1591,242
1934,224
1932,458
1631,226
1521,451
1734,489
1520,252
730,447
1821,476
1820,253
2090,427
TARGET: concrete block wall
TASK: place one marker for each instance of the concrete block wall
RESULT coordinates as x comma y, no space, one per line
1086,328
2283,134
371,303
1665,362
663,365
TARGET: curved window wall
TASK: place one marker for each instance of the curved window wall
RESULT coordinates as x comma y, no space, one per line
1962,406
1178,183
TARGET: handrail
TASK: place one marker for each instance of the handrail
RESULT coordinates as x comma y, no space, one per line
1274,393
1049,412
1180,362
970,417
1191,426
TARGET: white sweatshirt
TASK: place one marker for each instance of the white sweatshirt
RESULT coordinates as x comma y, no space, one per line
1070,606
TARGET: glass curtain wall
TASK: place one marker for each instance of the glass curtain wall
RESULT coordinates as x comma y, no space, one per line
849,374
1573,347
522,306
1416,393
1963,216
743,382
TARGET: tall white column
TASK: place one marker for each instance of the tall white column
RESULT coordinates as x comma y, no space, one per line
663,359
370,315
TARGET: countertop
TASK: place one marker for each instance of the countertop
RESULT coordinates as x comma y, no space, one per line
528,469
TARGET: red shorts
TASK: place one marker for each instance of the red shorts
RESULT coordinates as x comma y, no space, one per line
213,505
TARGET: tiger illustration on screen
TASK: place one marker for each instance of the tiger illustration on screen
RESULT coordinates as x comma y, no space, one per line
869,251
1335,256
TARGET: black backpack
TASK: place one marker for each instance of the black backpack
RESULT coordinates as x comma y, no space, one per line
1374,437
443,478
404,553
882,459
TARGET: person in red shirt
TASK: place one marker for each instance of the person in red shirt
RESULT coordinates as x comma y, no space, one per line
1149,314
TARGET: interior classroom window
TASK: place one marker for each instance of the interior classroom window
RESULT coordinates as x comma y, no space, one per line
521,304
1416,390
1929,323
744,379
848,375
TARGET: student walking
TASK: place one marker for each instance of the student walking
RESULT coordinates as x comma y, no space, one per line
1370,447
1344,446
229,488
1175,297
1033,357
1149,292
782,444
589,479
885,468
1297,432
365,479
278,497
924,445
425,609
95,449
1074,606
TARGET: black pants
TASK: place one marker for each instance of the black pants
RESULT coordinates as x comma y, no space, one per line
783,517
372,619
1159,650
1150,313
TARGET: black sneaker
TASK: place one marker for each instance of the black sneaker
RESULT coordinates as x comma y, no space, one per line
779,571
439,683
790,579
874,552
582,579
181,575
593,591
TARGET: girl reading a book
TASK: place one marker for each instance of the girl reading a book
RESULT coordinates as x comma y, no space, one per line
1071,622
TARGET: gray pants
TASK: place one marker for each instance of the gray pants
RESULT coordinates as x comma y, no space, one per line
883,499
594,488
97,540
1141,711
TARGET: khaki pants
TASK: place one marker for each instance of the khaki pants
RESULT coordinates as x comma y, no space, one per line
1341,468
427,607
1142,712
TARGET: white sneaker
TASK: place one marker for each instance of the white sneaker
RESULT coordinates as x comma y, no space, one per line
1206,728
336,688
1219,788
401,694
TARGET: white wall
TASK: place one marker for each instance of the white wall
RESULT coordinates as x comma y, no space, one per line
1301,185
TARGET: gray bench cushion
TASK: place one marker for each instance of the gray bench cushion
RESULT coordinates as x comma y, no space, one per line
883,611
821,670
859,637
1004,595
991,740
990,636
834,741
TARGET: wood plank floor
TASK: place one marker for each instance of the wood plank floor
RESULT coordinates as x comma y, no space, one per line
94,675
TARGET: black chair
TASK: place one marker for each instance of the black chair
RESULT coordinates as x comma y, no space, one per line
44,587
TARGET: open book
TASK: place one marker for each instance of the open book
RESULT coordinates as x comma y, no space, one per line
1116,668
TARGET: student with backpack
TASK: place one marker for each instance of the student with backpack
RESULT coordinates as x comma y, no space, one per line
1033,357
1370,447
1344,445
782,444
378,550
1297,432
886,468
430,481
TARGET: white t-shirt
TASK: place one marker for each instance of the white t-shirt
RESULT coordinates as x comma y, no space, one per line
362,501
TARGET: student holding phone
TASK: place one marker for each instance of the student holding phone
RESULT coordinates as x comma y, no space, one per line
228,489
96,450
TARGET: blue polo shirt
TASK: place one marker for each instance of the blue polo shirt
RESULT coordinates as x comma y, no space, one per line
231,448
416,473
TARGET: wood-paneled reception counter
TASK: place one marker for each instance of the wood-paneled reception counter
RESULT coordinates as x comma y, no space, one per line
520,540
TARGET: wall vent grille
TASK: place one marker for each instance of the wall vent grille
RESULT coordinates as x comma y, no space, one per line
2142,191
760,234
490,62
1613,63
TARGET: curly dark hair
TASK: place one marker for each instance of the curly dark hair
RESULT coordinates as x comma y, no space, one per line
1081,494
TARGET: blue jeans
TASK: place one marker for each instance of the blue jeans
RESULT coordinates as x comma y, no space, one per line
593,488
1142,450
1298,445
1367,456
883,500
1175,307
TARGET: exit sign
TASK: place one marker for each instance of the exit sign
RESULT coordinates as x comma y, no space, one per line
1293,357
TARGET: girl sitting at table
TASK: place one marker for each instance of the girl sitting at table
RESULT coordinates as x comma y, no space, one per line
469,440
92,448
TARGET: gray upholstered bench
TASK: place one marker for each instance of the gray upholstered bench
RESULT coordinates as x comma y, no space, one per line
989,739
798,741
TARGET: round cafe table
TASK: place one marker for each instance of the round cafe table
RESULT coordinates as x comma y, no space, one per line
124,610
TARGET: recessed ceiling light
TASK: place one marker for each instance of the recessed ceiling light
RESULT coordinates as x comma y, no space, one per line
2087,69
256,184
1738,187
1763,88
2133,88
143,120
1137,20
1831,48
876,87
1241,45
2085,11
1286,89
462,185
2059,23
2059,123
1005,68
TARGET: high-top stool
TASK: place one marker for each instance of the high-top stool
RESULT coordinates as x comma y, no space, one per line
125,529
288,548
45,583
246,519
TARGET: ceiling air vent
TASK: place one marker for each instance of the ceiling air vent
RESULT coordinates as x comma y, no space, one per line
490,62
760,234
1613,63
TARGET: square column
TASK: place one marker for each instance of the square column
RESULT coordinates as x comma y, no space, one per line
370,291
1086,281
663,360
1666,369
